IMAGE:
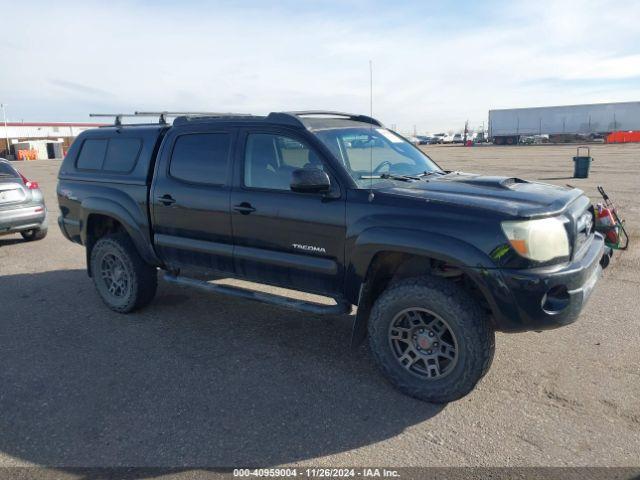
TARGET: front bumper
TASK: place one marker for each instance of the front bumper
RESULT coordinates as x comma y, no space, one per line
541,299
23,218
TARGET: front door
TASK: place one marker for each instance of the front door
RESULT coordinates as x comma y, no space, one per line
295,240
190,198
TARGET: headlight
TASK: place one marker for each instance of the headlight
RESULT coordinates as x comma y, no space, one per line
538,240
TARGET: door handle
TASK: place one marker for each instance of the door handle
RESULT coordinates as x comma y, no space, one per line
244,208
166,199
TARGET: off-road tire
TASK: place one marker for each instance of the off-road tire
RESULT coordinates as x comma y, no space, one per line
469,323
142,278
34,234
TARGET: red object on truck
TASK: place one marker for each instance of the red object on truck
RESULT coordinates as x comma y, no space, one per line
606,223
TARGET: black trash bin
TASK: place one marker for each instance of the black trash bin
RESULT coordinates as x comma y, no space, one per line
582,163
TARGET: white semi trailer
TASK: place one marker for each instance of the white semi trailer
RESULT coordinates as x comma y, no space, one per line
507,126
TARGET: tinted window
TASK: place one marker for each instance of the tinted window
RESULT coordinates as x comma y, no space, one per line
122,154
92,154
7,170
201,158
270,160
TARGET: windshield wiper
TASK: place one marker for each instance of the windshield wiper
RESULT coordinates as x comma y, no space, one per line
428,174
392,176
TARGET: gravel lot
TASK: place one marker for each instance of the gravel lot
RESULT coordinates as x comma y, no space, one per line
202,380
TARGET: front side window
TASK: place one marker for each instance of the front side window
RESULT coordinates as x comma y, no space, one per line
374,152
201,158
271,159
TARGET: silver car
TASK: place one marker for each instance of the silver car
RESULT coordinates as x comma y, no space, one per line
22,208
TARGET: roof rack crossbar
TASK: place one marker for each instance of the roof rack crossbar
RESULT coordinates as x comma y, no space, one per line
351,116
163,115
119,116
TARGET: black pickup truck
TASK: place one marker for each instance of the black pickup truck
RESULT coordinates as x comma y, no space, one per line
334,204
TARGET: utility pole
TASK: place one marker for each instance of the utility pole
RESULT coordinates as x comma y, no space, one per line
6,131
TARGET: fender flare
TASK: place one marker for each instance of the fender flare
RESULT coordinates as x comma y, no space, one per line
117,211
373,241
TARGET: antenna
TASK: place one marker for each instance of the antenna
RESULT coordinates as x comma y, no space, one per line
371,195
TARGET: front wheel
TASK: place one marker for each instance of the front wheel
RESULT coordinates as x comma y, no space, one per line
430,339
123,280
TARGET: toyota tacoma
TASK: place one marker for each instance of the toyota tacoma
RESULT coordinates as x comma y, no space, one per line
334,204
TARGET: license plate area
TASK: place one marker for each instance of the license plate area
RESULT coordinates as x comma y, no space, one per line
11,196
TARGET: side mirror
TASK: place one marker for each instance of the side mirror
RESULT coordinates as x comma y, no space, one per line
310,180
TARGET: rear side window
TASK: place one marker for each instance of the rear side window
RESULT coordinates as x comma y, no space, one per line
114,154
122,154
92,154
201,158
7,171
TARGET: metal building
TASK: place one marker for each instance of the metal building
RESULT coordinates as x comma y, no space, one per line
14,134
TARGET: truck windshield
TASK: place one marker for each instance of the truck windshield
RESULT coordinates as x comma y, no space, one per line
375,153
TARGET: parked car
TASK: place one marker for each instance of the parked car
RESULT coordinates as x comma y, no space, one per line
448,138
423,139
436,261
438,138
472,136
457,138
22,208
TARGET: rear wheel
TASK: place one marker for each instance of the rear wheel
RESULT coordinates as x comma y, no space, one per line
34,234
123,280
430,339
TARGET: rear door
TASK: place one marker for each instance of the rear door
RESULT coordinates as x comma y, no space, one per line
295,240
190,200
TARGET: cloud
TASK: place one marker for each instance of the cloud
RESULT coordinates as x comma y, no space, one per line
434,67
78,89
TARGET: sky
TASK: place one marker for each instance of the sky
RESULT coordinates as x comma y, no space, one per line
435,64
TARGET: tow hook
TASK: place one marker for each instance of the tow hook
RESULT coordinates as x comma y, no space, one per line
606,257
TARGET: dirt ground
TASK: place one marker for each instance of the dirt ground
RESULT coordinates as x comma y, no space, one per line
202,380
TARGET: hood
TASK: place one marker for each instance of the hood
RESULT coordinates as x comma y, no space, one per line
507,195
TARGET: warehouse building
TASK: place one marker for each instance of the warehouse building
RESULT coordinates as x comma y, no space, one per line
38,140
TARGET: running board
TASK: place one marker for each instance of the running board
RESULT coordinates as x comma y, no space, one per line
341,307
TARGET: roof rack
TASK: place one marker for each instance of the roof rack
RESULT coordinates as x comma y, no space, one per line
291,118
350,116
118,116
163,115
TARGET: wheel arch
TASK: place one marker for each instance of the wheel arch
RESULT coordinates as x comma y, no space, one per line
382,256
102,217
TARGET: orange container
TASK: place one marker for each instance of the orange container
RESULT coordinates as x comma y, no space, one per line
623,137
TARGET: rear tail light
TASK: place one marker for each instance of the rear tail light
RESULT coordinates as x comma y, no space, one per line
28,183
